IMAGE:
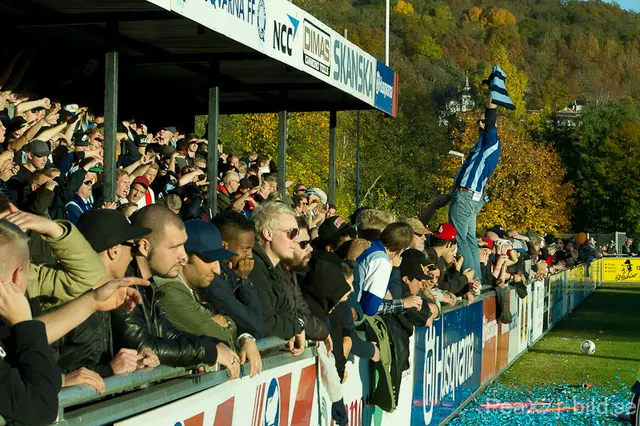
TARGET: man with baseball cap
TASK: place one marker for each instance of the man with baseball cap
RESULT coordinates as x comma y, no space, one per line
420,232
139,188
181,295
86,352
161,254
442,251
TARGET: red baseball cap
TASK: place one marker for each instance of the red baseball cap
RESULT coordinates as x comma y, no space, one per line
142,181
445,231
489,242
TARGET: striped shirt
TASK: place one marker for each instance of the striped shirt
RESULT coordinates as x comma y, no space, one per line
483,157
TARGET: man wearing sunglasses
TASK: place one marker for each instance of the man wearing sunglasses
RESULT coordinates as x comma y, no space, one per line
294,271
277,232
82,200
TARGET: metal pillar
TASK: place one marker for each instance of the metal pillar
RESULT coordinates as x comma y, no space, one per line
386,34
283,134
358,135
333,119
212,132
110,125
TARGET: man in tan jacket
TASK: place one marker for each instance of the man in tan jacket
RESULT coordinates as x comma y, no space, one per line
78,270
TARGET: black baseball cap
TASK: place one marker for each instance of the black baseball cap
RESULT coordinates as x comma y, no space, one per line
107,228
332,229
204,239
81,139
415,265
38,148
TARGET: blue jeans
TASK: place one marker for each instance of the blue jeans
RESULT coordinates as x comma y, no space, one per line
462,214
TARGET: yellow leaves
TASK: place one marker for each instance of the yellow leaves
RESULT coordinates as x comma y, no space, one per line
474,14
404,7
500,16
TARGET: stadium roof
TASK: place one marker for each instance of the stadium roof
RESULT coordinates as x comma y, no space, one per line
266,55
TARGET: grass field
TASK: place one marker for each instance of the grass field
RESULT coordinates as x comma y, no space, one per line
553,370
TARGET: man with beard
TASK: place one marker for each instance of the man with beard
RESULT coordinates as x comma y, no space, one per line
292,270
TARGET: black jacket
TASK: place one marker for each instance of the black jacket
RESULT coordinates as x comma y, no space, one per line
314,328
89,345
232,296
280,318
147,325
29,378
451,279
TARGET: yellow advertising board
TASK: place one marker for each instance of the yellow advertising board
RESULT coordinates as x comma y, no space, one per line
621,270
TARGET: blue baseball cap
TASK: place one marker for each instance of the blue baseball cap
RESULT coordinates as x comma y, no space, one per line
204,239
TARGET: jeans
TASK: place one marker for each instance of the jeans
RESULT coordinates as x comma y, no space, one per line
462,214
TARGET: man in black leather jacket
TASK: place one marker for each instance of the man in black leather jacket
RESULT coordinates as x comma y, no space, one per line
161,254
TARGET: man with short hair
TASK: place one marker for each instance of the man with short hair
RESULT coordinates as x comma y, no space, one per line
180,294
161,254
29,379
267,187
232,292
375,265
226,190
292,271
300,204
277,232
123,185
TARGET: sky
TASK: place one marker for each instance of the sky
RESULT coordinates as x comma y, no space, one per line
629,4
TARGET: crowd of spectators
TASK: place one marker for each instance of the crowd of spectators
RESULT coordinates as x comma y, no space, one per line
203,286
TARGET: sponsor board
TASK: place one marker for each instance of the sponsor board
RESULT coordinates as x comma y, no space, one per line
514,327
283,31
524,321
490,331
283,396
316,48
537,319
386,89
447,364
621,270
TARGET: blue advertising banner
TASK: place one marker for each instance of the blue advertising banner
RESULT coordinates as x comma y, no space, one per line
385,89
447,365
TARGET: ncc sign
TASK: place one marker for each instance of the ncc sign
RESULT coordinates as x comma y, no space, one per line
283,31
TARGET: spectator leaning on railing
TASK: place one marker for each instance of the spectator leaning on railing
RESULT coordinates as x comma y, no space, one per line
179,294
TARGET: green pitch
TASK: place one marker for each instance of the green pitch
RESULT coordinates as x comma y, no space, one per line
610,317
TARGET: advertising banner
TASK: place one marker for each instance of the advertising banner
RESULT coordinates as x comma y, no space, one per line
537,327
489,339
386,89
283,396
283,31
621,270
447,364
514,327
525,325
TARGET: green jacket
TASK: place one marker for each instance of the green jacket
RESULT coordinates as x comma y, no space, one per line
187,314
78,270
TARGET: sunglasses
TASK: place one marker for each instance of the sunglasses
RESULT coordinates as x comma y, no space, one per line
128,244
99,139
481,121
88,182
292,233
304,244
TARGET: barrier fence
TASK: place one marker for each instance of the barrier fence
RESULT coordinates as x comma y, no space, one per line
451,361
